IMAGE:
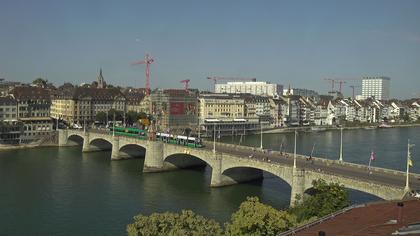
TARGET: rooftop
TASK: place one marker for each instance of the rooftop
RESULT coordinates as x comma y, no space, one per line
381,218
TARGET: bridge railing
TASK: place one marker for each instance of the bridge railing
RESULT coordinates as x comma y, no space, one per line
320,159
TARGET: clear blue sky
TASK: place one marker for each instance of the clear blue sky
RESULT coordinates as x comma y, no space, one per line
287,42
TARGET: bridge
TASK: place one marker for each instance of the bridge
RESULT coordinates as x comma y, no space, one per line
232,164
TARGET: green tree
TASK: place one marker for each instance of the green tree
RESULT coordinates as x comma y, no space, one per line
132,117
101,117
119,115
187,223
325,199
255,218
40,82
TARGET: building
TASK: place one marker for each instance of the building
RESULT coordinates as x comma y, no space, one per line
301,92
80,105
379,218
175,110
254,88
33,111
137,101
227,114
376,86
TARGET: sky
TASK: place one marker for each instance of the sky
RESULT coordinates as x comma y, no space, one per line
287,42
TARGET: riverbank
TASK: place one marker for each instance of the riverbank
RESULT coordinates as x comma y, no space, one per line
326,128
48,141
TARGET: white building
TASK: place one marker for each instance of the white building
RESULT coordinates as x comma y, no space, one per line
376,86
255,88
301,92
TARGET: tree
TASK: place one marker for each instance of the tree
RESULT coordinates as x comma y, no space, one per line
187,223
40,82
101,117
118,114
255,218
132,117
325,199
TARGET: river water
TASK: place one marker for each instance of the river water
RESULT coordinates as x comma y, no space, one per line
61,191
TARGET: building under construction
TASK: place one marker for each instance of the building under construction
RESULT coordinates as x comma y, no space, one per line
175,110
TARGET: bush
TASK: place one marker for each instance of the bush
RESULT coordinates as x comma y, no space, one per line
326,199
255,218
187,223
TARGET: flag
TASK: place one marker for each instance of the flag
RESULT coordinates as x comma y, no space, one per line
410,162
372,156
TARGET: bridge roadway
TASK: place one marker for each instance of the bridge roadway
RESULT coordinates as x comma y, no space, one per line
321,165
232,164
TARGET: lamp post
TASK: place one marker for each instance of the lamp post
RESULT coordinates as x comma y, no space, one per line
409,163
261,143
214,138
294,153
341,144
113,125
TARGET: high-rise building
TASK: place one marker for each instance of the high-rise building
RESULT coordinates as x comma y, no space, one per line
255,88
375,86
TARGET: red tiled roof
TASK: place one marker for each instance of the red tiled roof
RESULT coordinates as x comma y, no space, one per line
373,219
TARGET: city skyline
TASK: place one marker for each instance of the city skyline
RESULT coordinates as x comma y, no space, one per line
297,43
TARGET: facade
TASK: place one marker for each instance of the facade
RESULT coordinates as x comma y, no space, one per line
81,104
175,110
33,113
254,88
376,86
301,92
137,101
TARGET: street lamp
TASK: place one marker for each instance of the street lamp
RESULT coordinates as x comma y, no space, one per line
261,143
214,138
341,144
294,153
113,126
409,163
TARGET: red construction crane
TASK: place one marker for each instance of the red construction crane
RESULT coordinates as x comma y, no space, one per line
215,79
147,60
353,87
185,82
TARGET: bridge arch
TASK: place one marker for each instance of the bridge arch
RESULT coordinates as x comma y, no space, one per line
182,160
99,143
75,139
243,173
371,188
132,150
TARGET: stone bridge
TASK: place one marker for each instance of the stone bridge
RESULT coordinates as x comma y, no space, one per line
231,164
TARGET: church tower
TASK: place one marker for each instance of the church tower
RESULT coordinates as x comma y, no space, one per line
101,81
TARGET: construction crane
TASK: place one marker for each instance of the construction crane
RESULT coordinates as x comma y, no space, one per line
215,79
185,82
340,82
332,84
353,87
147,60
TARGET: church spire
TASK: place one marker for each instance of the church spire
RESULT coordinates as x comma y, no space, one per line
101,81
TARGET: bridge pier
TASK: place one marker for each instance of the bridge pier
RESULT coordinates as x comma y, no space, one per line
86,143
298,186
153,161
115,153
62,137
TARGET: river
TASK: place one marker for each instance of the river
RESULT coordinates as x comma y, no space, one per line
61,191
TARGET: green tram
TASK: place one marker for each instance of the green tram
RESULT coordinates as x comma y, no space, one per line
193,142
188,141
130,132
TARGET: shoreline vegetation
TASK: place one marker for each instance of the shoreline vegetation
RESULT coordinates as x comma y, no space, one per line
252,217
